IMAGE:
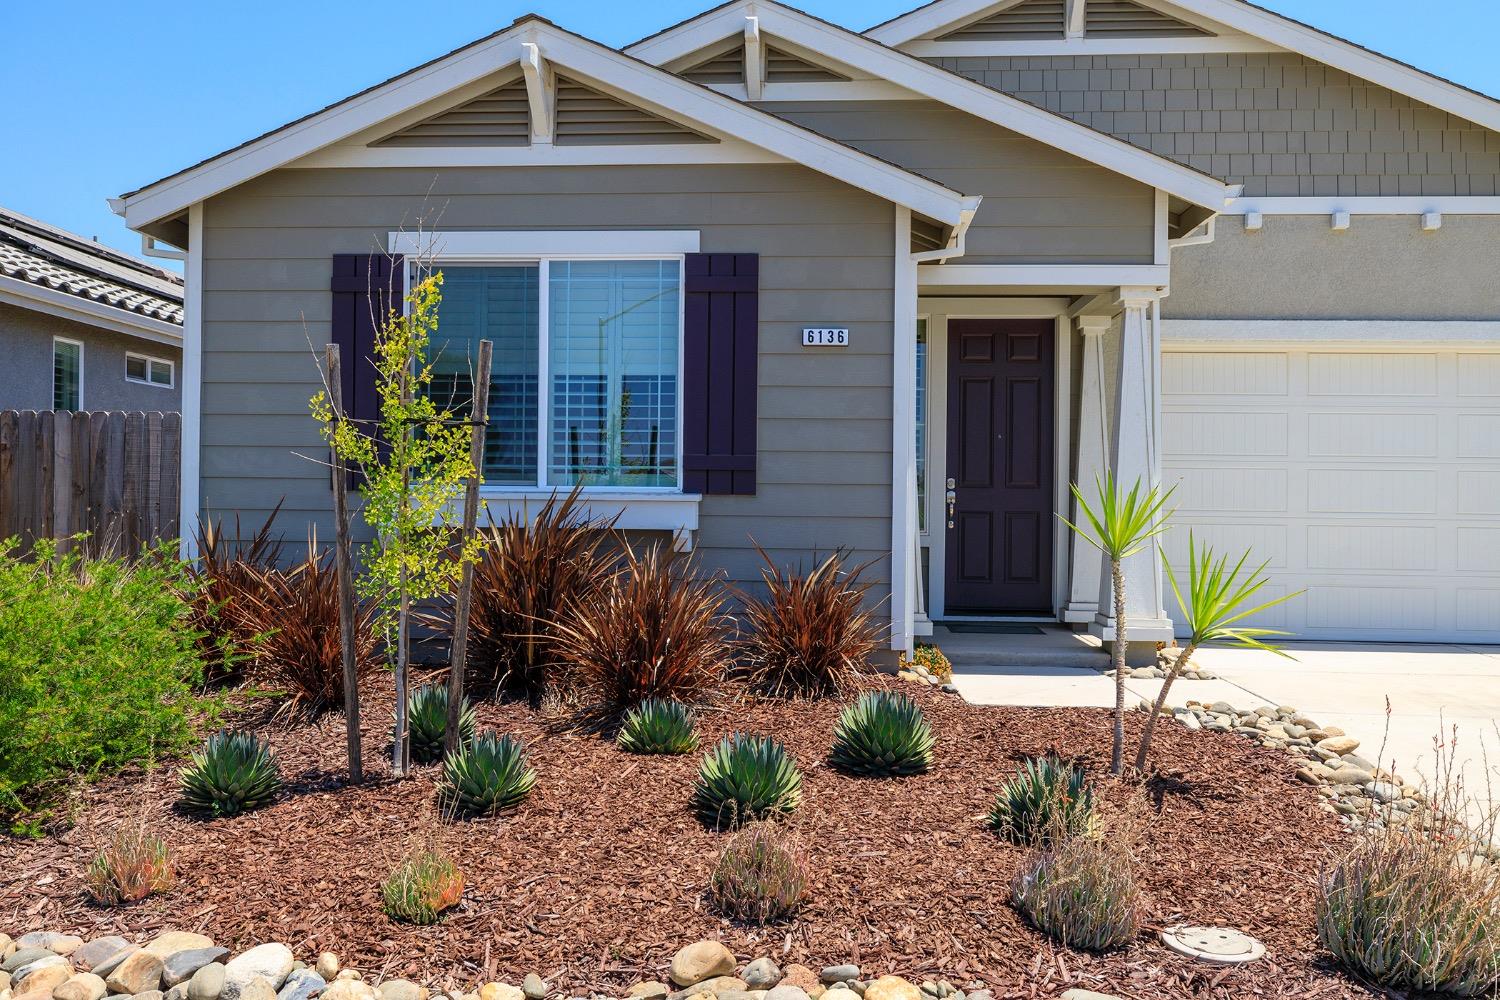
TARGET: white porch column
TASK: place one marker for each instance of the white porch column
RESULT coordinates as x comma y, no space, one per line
1132,456
904,440
1093,445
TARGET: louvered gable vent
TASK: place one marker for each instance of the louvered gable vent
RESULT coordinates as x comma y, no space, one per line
585,117
1125,19
783,67
499,118
728,66
1028,19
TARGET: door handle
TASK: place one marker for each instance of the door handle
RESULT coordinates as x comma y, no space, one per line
951,497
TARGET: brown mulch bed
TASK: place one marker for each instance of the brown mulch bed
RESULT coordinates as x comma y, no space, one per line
599,877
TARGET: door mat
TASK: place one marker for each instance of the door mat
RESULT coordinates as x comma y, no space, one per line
991,628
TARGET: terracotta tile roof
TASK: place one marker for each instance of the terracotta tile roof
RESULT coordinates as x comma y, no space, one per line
44,255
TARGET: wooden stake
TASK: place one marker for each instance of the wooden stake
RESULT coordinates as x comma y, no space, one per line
344,564
458,655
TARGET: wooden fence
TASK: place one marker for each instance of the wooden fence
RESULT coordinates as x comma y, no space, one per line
111,475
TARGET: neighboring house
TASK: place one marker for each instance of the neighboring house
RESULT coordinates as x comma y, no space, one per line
84,327
758,277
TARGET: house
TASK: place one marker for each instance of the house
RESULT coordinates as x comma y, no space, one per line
757,276
84,327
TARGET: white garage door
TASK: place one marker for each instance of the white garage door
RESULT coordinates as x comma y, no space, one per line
1370,477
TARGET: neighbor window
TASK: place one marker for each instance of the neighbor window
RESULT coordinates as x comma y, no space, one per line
67,374
588,394
148,371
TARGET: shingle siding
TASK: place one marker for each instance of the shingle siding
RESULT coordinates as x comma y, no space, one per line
1279,123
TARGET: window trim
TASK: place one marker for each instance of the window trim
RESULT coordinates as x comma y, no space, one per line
150,360
81,350
499,248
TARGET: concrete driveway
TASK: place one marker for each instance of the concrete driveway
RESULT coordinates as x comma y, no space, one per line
1431,690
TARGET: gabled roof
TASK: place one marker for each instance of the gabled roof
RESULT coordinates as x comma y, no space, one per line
1257,22
42,265
580,57
927,80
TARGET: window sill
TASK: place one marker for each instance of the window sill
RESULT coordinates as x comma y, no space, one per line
635,510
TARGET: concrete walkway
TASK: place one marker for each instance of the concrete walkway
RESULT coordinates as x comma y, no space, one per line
1430,689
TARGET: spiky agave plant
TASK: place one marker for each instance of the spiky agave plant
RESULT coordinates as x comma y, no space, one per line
1046,796
745,778
235,772
658,726
427,716
489,774
883,734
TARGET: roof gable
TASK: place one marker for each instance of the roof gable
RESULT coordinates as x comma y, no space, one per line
591,100
926,80
917,30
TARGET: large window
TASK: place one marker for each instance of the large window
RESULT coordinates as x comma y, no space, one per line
67,374
584,372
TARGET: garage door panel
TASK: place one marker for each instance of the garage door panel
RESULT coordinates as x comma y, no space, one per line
1215,373
1383,547
1242,434
1349,374
1372,491
1214,489
1348,607
1372,435
1266,542
1369,477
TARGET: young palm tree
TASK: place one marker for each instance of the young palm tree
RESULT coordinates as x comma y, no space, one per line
1217,598
1120,527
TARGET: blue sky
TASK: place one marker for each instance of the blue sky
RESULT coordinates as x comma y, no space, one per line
99,101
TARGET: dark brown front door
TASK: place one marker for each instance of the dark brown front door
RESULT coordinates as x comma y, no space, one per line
1000,461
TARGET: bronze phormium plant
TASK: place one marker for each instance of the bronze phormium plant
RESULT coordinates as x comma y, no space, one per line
232,574
528,574
813,633
653,631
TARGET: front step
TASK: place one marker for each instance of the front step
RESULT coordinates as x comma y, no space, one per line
1055,647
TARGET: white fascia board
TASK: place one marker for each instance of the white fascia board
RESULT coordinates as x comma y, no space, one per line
14,291
541,155
930,20
928,48
650,88
543,243
1039,275
929,81
1371,205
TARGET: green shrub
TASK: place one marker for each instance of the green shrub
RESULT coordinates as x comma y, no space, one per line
488,775
1412,910
235,772
1080,891
98,666
746,778
658,726
1046,795
761,876
422,887
883,734
427,713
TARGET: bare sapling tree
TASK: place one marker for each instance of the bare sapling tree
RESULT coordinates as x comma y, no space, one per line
1119,526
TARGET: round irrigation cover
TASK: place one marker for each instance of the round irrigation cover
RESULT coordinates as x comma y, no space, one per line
1213,944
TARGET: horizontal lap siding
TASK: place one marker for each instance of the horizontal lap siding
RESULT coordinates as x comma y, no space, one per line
824,470
1041,205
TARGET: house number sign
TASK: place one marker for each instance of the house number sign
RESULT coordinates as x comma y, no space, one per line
825,336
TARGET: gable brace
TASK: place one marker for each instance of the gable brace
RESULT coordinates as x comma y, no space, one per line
755,60
1075,21
541,91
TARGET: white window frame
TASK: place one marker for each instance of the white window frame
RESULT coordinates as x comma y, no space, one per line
644,507
150,360
81,351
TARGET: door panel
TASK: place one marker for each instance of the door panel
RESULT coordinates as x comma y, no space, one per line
1000,457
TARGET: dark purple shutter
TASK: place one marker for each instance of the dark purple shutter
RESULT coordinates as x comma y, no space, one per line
719,365
365,288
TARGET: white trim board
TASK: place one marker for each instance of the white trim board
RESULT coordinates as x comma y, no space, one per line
908,72
1369,205
1305,333
531,244
190,490
1257,22
650,88
14,291
1038,275
540,155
